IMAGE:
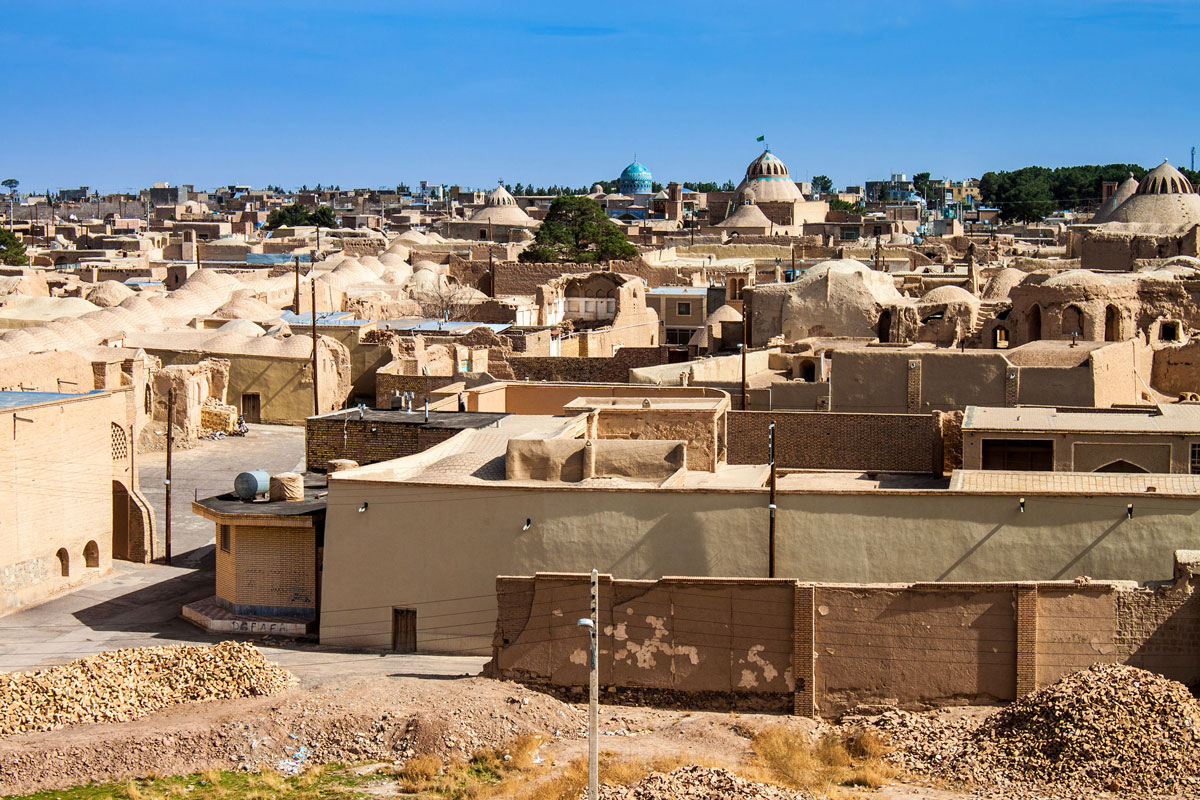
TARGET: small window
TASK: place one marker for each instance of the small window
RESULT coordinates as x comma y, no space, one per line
1169,332
64,562
224,538
1196,459
683,309
91,555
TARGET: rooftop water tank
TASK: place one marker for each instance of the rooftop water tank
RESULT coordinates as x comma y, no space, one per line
249,485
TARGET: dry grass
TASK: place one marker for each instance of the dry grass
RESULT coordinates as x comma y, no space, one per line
791,758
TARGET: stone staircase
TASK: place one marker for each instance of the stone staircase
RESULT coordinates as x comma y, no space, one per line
988,309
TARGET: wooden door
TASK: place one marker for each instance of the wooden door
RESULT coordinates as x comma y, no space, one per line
251,409
404,630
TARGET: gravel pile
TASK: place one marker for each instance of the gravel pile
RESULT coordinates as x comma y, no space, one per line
123,685
698,783
1110,727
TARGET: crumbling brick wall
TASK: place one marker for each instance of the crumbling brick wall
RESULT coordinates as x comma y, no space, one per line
368,441
829,440
587,370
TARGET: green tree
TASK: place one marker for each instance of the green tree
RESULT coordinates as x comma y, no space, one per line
323,217
576,230
822,185
837,204
12,252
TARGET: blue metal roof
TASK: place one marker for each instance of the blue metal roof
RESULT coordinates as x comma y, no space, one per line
324,318
11,400
684,290
436,325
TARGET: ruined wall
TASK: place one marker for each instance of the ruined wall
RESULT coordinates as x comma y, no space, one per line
824,649
825,440
368,441
614,369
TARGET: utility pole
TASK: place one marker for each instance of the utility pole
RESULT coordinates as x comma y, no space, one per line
167,481
771,502
316,388
297,284
742,347
592,623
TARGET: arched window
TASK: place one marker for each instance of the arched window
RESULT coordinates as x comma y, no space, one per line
1072,321
808,371
64,562
149,399
1112,324
883,329
1035,322
91,555
1120,465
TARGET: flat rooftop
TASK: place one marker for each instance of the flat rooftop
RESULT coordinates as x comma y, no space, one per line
1124,483
12,400
437,419
1180,418
229,503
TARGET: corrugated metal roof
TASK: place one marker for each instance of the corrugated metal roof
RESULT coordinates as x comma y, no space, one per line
1170,418
11,400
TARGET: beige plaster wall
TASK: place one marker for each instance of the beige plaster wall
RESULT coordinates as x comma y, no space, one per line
420,543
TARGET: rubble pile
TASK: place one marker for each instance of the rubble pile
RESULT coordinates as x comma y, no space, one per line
1110,727
122,685
698,783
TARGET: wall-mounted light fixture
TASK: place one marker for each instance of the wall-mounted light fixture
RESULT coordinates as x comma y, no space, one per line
1129,511
1022,505
362,508
528,524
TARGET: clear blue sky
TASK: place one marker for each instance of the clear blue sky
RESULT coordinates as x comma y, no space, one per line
117,94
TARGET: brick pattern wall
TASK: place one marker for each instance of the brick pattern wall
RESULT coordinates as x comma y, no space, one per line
387,383
368,441
1027,640
829,440
276,569
846,645
587,370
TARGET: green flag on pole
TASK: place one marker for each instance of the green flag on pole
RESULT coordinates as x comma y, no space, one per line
762,138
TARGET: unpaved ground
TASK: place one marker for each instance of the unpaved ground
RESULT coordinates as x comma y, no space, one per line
372,717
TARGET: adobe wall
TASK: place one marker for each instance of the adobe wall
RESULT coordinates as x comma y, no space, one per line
614,369
825,649
831,441
368,441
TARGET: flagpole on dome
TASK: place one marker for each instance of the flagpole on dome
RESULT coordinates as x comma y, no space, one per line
763,139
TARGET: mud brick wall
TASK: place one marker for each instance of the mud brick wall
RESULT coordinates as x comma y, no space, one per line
587,370
368,441
828,440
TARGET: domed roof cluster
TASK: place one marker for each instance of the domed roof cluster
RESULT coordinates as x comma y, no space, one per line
1164,197
635,178
1164,179
501,208
768,176
1126,190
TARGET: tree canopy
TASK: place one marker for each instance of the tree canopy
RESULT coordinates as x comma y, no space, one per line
12,252
297,215
822,184
576,230
1032,193
837,204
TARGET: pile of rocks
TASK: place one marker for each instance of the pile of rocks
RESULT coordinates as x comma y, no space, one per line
698,783
1107,728
122,685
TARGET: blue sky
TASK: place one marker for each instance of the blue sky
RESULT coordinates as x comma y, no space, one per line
116,94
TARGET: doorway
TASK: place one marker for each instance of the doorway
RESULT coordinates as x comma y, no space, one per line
120,520
251,408
404,630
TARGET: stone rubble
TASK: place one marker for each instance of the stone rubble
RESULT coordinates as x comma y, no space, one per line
698,783
1109,730
123,685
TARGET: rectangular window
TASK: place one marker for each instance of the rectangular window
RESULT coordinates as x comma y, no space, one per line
683,309
1018,454
1196,459
224,529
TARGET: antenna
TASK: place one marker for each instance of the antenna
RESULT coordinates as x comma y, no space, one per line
1193,158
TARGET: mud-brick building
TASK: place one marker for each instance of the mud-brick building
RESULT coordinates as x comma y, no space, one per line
269,554
69,480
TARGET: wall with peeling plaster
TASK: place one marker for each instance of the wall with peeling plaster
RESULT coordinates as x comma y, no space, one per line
914,646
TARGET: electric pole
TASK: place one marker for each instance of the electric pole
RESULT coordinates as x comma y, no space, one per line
316,388
594,693
167,480
771,502
742,347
